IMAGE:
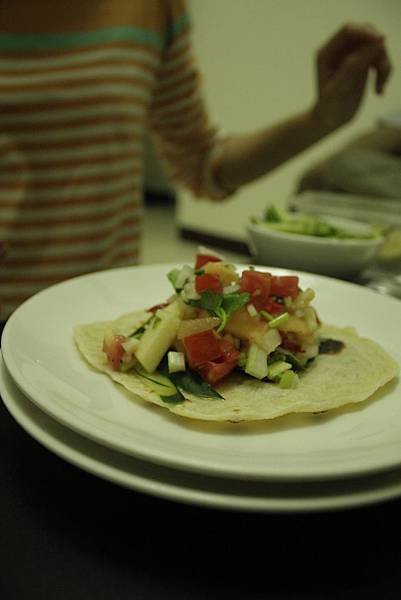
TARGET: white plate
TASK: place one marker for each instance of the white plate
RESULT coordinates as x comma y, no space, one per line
40,355
181,486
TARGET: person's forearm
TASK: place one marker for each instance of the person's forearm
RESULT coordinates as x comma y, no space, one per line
247,157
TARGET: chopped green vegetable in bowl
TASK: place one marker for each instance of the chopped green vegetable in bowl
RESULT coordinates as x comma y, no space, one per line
326,245
304,224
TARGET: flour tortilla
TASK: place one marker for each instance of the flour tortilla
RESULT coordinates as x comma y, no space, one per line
331,381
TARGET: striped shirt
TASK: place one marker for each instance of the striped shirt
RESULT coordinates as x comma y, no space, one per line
78,87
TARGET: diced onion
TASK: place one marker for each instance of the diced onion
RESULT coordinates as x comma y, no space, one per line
176,361
304,298
311,351
208,252
287,302
189,291
130,345
183,276
231,289
252,310
310,318
270,340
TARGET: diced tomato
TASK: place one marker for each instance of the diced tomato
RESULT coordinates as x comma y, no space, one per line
273,307
201,347
208,282
113,348
156,307
214,370
212,357
202,259
258,285
289,344
230,352
284,285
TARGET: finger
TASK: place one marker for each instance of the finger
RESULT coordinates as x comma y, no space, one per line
377,58
345,40
383,71
356,65
354,70
352,34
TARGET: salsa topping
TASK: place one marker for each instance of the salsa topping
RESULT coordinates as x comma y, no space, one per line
219,320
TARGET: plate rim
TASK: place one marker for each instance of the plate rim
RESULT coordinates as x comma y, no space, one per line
176,493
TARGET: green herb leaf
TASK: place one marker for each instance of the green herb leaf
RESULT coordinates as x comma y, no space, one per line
235,301
188,381
208,301
329,346
221,313
215,303
172,276
298,363
192,383
138,332
175,399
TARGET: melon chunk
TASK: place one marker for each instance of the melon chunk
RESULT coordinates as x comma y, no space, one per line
158,337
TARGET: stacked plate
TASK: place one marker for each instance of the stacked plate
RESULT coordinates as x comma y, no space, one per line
339,459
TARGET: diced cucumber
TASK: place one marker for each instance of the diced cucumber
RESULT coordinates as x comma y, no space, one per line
289,380
158,383
278,368
256,363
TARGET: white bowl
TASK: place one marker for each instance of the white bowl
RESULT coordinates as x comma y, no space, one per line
331,256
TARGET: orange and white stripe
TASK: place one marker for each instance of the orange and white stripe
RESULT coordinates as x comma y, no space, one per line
73,108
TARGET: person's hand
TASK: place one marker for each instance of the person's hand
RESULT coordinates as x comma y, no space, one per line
343,66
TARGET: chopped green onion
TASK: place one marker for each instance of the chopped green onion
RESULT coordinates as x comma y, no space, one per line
252,310
279,320
266,315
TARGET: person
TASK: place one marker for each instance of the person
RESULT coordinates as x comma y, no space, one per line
81,80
